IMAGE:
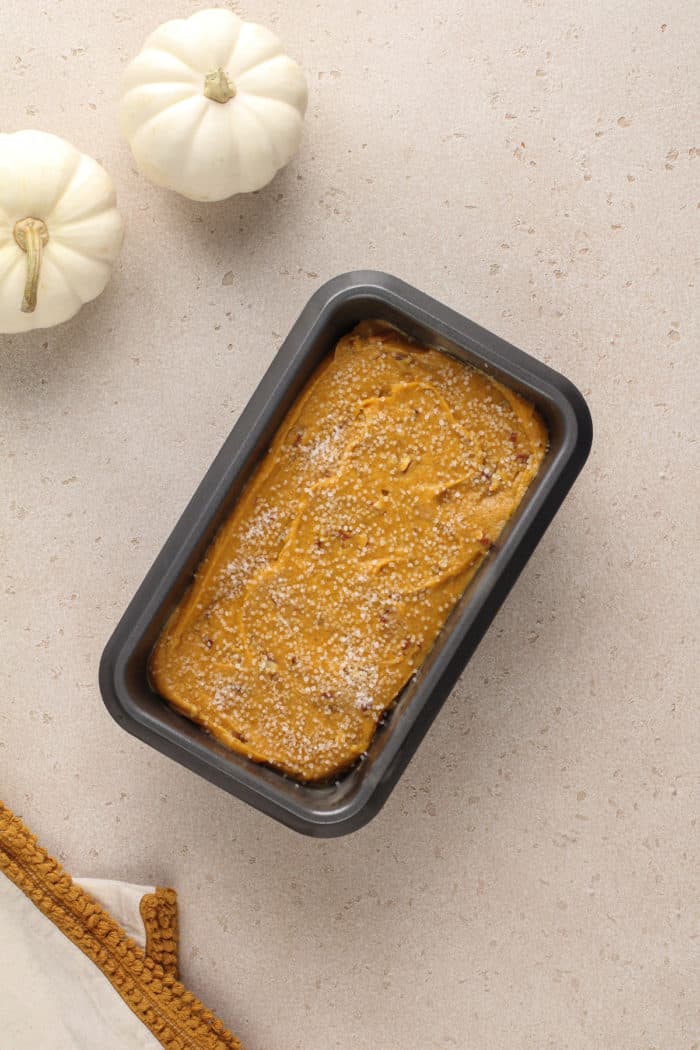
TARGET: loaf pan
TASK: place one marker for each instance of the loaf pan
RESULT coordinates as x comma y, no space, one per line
355,797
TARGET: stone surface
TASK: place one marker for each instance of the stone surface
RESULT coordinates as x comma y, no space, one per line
532,881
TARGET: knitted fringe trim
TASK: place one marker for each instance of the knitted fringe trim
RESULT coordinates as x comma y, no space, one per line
159,915
146,982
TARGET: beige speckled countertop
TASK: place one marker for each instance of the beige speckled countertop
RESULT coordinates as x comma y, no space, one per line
531,882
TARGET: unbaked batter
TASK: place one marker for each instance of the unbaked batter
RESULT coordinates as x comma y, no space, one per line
384,489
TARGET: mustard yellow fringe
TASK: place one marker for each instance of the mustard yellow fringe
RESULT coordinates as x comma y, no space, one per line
159,915
147,982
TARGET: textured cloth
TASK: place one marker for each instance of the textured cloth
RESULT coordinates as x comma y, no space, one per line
90,963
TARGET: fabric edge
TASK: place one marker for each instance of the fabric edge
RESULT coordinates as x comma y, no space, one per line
177,1019
159,915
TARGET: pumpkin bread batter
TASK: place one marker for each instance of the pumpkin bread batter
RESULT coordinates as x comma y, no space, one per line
385,487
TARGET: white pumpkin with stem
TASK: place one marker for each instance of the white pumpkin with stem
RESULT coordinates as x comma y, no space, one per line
60,230
212,106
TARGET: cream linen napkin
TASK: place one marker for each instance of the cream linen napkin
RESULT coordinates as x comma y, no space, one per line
91,963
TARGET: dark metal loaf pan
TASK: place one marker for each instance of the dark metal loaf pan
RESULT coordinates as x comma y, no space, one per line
335,809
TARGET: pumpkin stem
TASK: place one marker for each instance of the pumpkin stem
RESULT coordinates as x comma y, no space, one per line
31,235
218,87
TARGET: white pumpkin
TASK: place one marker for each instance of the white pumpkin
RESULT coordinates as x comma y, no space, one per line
60,230
211,106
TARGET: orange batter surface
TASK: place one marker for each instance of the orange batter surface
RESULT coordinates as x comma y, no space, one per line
382,492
